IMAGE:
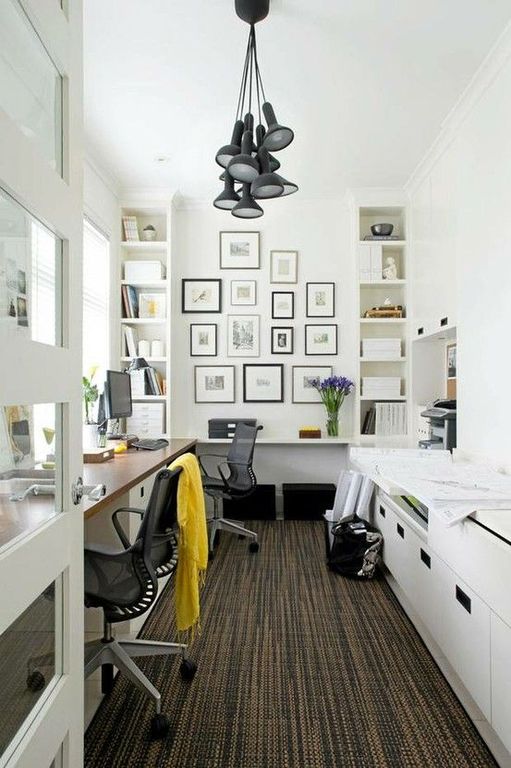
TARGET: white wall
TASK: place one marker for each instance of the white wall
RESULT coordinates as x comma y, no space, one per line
461,235
319,231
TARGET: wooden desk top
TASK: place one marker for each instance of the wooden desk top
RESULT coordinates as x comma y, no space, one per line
126,470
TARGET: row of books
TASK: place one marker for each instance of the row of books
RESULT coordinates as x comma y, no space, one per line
129,301
147,381
130,226
385,420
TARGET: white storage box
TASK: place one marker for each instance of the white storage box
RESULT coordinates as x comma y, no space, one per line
143,271
381,386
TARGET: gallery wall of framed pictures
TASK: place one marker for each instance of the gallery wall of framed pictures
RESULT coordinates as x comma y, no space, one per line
263,313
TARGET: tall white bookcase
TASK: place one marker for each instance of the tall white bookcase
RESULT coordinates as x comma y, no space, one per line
158,214
368,208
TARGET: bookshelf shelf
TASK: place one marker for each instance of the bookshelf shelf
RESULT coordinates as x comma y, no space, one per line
383,359
400,399
380,283
151,412
385,243
143,321
144,245
383,320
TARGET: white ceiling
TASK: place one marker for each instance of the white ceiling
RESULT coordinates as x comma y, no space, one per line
364,83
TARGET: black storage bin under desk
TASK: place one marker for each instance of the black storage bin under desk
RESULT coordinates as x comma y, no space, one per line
260,505
307,501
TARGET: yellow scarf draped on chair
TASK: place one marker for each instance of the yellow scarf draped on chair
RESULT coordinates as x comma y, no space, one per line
193,542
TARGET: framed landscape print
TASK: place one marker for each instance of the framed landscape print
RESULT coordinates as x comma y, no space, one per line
320,299
214,383
263,383
239,250
303,378
284,266
203,340
201,295
243,335
243,293
282,341
321,339
282,305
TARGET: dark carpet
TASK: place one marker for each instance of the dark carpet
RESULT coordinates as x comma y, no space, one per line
298,668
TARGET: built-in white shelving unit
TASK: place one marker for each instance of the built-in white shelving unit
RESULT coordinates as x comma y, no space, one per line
151,415
372,290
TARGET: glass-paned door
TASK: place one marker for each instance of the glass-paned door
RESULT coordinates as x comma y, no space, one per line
41,530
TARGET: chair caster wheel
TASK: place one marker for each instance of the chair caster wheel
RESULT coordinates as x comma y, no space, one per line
36,681
188,669
160,726
253,546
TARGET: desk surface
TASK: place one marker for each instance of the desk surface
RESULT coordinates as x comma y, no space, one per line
321,441
123,472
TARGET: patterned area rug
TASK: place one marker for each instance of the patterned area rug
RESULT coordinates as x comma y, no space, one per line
298,668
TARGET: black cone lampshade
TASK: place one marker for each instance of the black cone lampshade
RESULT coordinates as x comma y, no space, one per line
244,167
277,136
225,154
247,160
267,184
227,199
247,208
289,186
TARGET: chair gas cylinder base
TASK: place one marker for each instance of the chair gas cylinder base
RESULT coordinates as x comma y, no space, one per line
236,480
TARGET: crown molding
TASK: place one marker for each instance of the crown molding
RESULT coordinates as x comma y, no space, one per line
484,77
106,175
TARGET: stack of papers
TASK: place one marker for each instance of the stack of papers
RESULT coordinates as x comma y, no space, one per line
381,386
381,349
451,490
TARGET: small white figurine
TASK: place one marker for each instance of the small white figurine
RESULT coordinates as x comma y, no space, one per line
390,270
387,302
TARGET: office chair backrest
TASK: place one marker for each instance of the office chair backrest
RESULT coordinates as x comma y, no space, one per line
156,530
242,479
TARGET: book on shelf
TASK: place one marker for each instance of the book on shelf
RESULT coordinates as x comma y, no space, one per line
138,385
131,340
130,226
153,380
390,419
129,301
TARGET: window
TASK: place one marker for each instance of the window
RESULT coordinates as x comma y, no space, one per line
96,271
30,84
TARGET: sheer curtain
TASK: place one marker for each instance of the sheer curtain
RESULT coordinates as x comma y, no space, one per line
96,321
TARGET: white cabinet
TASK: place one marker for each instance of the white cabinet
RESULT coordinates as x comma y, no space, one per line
501,679
465,636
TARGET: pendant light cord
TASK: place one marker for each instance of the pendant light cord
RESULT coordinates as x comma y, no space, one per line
241,96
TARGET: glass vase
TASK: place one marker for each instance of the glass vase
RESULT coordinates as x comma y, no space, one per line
332,423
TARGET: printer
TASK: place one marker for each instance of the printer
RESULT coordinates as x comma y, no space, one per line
442,421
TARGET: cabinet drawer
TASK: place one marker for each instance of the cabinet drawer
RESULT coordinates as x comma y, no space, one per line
426,569
465,635
501,679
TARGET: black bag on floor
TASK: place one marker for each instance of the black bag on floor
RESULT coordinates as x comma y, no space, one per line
355,550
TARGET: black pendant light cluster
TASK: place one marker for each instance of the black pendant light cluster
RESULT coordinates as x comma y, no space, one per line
246,162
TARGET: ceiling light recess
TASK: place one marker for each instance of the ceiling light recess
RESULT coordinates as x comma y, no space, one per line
244,161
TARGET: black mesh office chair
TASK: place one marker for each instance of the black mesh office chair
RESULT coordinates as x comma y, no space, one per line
124,584
236,481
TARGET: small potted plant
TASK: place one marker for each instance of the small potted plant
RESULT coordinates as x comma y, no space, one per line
332,391
90,396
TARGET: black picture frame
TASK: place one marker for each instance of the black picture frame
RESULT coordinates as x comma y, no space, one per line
204,325
321,325
283,317
308,288
275,329
279,398
196,310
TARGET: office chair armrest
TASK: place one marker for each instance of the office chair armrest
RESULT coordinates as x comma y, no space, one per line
209,456
118,527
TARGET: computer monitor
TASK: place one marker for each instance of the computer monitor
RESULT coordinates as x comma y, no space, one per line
118,395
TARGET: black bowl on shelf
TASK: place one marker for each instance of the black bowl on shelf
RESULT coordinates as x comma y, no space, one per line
382,230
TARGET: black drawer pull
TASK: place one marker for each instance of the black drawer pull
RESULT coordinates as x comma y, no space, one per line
463,599
142,492
444,321
426,559
400,530
420,331
382,511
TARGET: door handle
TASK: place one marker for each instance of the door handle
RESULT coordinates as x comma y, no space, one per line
93,492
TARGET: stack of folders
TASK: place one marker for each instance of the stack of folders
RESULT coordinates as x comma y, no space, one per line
381,349
146,381
381,387
390,419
